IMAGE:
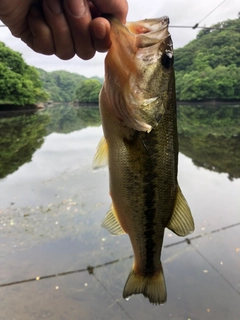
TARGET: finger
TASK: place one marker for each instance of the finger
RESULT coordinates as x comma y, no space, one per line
38,36
118,8
100,29
62,38
79,19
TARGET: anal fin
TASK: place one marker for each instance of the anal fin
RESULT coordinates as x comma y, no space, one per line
111,223
181,221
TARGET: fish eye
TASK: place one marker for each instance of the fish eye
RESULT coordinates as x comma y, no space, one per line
167,60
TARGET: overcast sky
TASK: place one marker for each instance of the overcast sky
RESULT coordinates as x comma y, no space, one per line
180,12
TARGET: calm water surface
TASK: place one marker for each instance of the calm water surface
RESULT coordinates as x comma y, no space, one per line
58,263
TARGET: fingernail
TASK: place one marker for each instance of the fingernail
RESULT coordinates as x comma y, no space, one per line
55,6
77,7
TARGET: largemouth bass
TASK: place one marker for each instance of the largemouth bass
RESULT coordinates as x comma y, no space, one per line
140,146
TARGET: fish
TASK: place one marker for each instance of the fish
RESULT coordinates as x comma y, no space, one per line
140,146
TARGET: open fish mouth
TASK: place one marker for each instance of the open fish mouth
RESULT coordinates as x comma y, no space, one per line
150,27
147,32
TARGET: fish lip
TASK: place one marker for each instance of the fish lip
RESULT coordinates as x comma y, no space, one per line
159,23
165,20
156,24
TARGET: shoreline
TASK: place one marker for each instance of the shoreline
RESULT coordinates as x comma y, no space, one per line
40,106
209,102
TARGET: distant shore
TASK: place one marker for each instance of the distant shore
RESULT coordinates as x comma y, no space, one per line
210,102
9,107
12,107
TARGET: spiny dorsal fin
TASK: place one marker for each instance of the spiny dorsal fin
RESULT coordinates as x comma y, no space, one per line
181,221
100,159
111,223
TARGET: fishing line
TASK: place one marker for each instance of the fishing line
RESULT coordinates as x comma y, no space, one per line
196,25
212,11
190,27
206,28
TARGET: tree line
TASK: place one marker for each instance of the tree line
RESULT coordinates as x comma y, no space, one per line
21,84
64,86
207,68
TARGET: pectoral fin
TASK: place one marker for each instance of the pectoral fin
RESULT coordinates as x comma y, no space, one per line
111,223
181,221
100,159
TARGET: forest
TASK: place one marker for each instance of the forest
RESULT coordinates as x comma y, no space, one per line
64,86
207,68
19,83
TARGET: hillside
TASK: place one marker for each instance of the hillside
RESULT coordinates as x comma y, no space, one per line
62,85
209,66
19,82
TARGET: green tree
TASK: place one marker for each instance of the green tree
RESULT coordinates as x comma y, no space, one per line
19,83
62,85
88,91
209,66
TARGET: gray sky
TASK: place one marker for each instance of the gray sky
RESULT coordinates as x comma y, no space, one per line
180,12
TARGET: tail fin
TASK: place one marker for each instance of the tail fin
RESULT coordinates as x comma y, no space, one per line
152,287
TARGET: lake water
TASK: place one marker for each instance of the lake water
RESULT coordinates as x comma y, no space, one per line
58,263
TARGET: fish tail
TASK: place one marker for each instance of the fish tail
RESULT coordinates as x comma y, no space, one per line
152,287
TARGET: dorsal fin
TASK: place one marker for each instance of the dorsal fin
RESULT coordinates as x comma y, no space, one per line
181,221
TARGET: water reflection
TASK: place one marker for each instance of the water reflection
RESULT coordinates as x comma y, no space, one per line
20,137
24,133
66,119
210,136
50,213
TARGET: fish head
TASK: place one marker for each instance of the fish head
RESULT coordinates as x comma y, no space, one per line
139,69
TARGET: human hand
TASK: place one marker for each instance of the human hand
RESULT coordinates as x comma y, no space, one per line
62,27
